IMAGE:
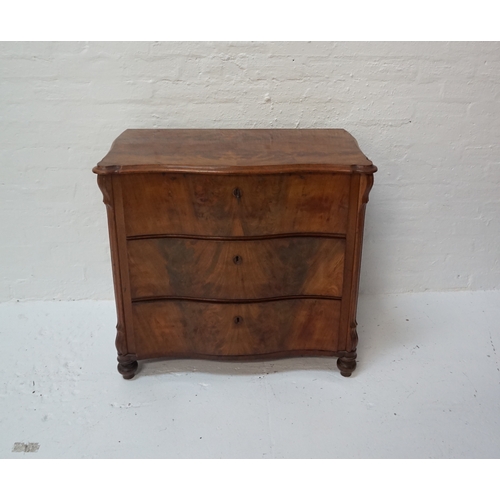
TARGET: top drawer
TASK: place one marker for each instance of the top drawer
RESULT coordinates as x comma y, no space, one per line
234,205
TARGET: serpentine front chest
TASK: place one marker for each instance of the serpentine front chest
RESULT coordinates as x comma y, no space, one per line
235,244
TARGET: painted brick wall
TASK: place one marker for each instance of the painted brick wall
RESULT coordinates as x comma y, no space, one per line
428,114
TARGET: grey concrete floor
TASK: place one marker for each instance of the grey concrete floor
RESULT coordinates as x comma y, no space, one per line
427,386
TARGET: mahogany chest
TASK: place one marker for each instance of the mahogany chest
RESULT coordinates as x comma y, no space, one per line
235,244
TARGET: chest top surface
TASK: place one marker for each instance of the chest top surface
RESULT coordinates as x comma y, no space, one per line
234,151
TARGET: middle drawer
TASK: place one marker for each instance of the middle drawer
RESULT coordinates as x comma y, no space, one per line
236,269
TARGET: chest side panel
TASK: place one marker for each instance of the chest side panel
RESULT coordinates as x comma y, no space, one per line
235,205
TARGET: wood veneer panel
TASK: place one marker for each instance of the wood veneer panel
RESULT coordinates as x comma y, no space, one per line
189,328
235,205
218,269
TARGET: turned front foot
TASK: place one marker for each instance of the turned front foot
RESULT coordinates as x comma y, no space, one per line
127,367
347,364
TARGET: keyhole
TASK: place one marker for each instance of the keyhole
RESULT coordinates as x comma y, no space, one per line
237,259
237,193
237,320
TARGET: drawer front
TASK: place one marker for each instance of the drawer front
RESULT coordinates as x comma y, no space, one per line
235,269
186,328
234,205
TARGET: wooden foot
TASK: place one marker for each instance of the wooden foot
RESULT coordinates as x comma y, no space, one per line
347,364
127,367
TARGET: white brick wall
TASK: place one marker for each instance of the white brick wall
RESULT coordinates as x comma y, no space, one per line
428,114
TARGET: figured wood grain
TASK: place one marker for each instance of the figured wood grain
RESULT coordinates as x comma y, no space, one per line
232,205
234,269
233,151
189,328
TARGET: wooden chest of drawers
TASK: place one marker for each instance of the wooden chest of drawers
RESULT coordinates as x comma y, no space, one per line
235,244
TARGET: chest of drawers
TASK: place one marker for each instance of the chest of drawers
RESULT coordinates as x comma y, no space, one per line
235,244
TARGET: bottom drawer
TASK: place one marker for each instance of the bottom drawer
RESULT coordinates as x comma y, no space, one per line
187,328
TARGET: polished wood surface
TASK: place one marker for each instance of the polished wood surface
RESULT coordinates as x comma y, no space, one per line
232,150
181,327
235,244
234,269
249,205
